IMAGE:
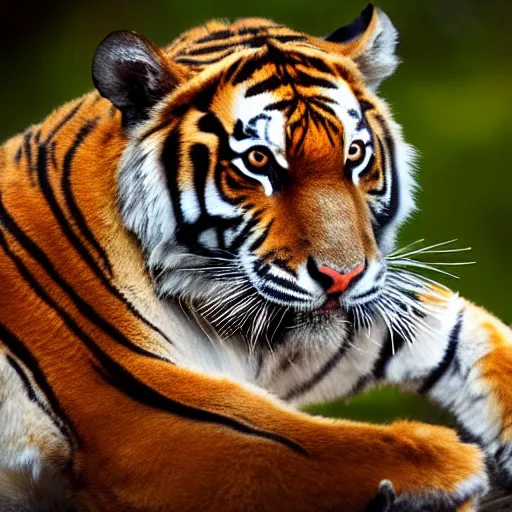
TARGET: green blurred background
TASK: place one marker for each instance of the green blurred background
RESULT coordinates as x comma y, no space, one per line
453,94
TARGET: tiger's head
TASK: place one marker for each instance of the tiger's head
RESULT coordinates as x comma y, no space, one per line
263,177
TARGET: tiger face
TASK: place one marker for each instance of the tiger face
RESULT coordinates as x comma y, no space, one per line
263,177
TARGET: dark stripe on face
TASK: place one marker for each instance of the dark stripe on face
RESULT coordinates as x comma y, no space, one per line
269,84
200,157
203,62
279,295
320,103
70,199
249,67
119,377
263,272
240,239
227,34
316,63
386,216
322,373
384,189
84,307
203,99
251,42
306,80
281,105
437,373
171,163
215,36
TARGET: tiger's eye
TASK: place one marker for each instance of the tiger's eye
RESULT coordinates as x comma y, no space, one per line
356,151
257,158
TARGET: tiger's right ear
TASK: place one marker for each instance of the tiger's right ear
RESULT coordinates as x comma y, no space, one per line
131,72
370,41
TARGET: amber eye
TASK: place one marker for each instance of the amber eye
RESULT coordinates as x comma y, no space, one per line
257,158
356,151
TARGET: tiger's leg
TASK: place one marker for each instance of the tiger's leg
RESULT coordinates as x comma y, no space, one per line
462,360
200,443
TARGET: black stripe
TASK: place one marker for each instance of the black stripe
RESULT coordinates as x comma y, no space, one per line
386,353
171,163
17,347
320,104
28,151
384,189
125,381
306,80
241,237
435,375
73,208
252,42
215,36
226,34
269,84
205,50
249,67
44,182
279,105
84,307
280,295
122,379
258,242
288,285
54,418
385,218
328,366
203,99
316,63
203,62
19,153
63,122
24,379
200,156
288,39
53,155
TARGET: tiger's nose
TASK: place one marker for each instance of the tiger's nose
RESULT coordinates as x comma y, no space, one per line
340,282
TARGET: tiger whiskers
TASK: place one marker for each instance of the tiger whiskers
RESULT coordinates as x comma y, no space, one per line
400,305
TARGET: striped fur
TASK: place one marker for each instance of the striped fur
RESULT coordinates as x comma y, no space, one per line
164,308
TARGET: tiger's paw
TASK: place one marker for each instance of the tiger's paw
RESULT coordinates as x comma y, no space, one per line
433,471
428,501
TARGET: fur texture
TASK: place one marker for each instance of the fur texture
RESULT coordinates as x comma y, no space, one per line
169,255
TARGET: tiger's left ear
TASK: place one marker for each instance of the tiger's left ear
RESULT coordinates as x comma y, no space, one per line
134,74
370,41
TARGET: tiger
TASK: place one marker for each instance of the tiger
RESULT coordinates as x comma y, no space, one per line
204,245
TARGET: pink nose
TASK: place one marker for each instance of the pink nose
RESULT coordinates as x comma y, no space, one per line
340,282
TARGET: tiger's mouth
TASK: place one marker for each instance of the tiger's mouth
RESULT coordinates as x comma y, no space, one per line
331,305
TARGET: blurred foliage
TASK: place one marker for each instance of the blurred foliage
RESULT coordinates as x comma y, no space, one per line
452,94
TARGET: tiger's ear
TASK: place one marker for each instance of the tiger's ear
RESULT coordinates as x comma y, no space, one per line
131,72
370,41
